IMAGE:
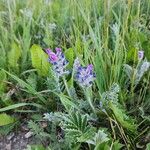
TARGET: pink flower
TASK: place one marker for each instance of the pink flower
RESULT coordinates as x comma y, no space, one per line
58,61
52,56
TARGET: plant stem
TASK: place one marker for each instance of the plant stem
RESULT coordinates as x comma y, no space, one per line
88,97
66,86
111,124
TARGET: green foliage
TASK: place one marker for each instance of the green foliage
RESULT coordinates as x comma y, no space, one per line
148,146
117,145
35,147
106,146
111,94
99,138
69,54
13,56
99,68
27,87
68,104
3,78
110,100
15,106
77,129
37,131
132,55
103,146
135,74
6,129
123,119
6,119
39,60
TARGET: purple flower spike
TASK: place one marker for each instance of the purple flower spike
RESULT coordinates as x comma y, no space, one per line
58,61
140,55
84,75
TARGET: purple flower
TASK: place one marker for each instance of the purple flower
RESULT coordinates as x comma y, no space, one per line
140,55
52,56
84,75
58,61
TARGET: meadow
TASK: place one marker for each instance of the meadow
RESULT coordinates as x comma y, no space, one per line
76,72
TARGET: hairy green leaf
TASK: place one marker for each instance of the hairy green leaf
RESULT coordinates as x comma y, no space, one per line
68,104
39,60
6,119
13,56
122,118
2,79
69,53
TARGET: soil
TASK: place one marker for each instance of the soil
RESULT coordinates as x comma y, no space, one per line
16,141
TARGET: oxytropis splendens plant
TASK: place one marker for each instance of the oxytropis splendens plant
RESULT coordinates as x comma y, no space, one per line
59,64
83,75
135,74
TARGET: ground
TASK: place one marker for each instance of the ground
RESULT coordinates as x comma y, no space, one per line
17,140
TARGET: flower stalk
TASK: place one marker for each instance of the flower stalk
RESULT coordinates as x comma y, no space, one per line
87,92
66,86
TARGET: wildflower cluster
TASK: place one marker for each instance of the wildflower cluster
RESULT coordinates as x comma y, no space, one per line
83,75
58,61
